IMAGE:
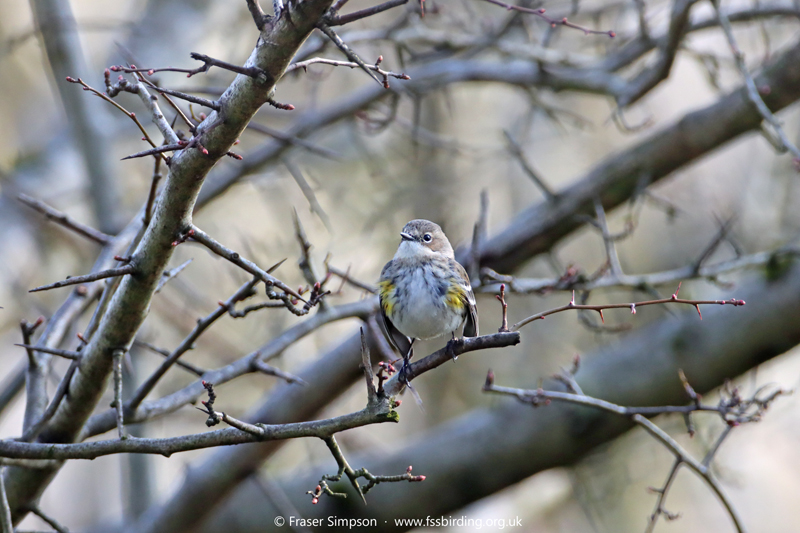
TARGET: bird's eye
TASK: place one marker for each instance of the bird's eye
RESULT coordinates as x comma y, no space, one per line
427,237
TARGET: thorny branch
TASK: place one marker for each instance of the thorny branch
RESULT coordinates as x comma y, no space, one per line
632,306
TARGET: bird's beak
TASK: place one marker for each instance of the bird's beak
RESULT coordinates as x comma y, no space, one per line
406,236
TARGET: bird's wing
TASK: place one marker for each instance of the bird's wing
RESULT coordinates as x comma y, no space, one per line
397,340
401,343
471,324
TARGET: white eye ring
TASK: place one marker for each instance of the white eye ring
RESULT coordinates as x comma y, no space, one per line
427,237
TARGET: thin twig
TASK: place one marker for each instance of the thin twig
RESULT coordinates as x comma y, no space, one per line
245,291
662,497
208,62
67,354
64,220
350,64
351,55
516,150
196,370
632,306
363,13
203,238
553,22
752,91
52,522
608,241
270,370
87,278
311,197
6,524
575,280
295,141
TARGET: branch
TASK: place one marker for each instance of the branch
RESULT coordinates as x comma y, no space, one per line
259,17
576,280
244,292
553,22
87,278
203,238
64,220
341,20
102,422
752,91
632,306
126,310
733,410
468,344
538,228
351,55
323,61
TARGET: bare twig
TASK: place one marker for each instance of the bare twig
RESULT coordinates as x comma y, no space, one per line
351,55
662,497
311,197
733,410
259,17
575,280
64,220
347,278
108,99
752,91
196,370
208,62
245,291
461,346
632,306
87,278
52,522
203,238
294,141
6,524
270,370
608,241
340,20
553,22
353,476
516,151
167,275
68,354
350,64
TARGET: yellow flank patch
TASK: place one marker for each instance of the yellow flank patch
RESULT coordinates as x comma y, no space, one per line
456,297
387,296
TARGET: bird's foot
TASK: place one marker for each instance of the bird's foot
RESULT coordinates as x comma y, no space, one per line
452,344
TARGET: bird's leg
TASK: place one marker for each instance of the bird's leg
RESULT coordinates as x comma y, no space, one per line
451,344
406,361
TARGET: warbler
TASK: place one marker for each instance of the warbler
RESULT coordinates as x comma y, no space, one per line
424,292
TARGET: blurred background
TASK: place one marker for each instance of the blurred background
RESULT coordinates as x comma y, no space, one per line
427,153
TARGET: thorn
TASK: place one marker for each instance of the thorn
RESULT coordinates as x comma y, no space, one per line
675,294
489,380
698,311
572,302
603,320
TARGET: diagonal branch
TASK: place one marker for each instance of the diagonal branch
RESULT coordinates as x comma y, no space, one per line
351,55
87,278
64,220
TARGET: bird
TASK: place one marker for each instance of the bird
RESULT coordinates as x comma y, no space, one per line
424,292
